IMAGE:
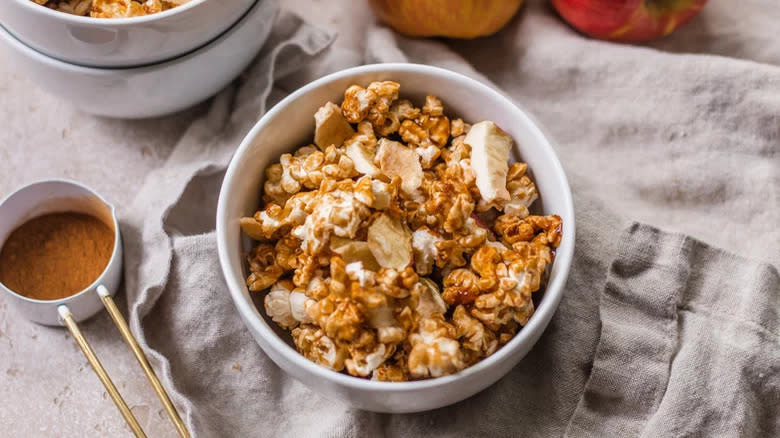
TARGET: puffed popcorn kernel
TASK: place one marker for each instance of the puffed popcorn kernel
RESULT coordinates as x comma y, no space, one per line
425,252
473,333
522,191
263,268
317,347
435,352
461,286
365,363
277,305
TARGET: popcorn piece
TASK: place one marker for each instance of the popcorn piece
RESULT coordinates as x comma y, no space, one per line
449,253
473,234
339,317
336,212
393,372
476,337
384,121
390,242
522,191
527,263
299,302
461,286
277,305
263,268
489,156
372,103
425,252
458,127
364,278
363,364
317,347
75,7
287,250
395,283
435,352
403,109
116,9
433,106
396,159
428,155
513,229
459,212
485,262
357,102
331,128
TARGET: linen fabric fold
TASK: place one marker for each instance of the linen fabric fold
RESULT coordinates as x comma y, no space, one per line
658,334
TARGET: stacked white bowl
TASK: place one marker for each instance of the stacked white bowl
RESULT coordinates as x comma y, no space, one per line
140,66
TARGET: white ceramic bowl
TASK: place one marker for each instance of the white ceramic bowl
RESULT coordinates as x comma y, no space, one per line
120,42
290,124
155,89
54,196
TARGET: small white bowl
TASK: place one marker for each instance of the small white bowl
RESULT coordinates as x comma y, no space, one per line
120,42
290,124
55,196
156,89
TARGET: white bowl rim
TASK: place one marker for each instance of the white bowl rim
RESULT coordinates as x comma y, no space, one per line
114,253
110,22
251,315
6,35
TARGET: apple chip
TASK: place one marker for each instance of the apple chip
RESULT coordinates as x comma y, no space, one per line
354,251
390,242
396,159
362,157
331,128
489,158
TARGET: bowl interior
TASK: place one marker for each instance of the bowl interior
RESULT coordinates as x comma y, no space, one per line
291,124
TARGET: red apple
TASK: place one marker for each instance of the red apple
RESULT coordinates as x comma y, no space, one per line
627,20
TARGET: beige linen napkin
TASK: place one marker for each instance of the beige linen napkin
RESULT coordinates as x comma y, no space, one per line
658,334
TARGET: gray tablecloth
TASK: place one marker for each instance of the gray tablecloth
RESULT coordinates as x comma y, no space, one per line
658,334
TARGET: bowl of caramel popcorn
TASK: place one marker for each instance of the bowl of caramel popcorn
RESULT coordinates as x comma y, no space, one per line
119,33
396,236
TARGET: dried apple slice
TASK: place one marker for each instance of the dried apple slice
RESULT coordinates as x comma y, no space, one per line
330,126
354,251
397,159
362,157
490,159
390,242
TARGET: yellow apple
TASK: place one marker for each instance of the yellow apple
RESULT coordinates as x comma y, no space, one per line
446,18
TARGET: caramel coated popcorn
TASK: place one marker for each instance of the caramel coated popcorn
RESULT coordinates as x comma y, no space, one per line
399,245
111,8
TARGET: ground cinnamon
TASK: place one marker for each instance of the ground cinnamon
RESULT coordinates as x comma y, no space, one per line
56,255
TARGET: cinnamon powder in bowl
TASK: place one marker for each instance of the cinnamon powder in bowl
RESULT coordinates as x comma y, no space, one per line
55,255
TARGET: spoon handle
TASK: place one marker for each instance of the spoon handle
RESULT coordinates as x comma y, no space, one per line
67,317
121,324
